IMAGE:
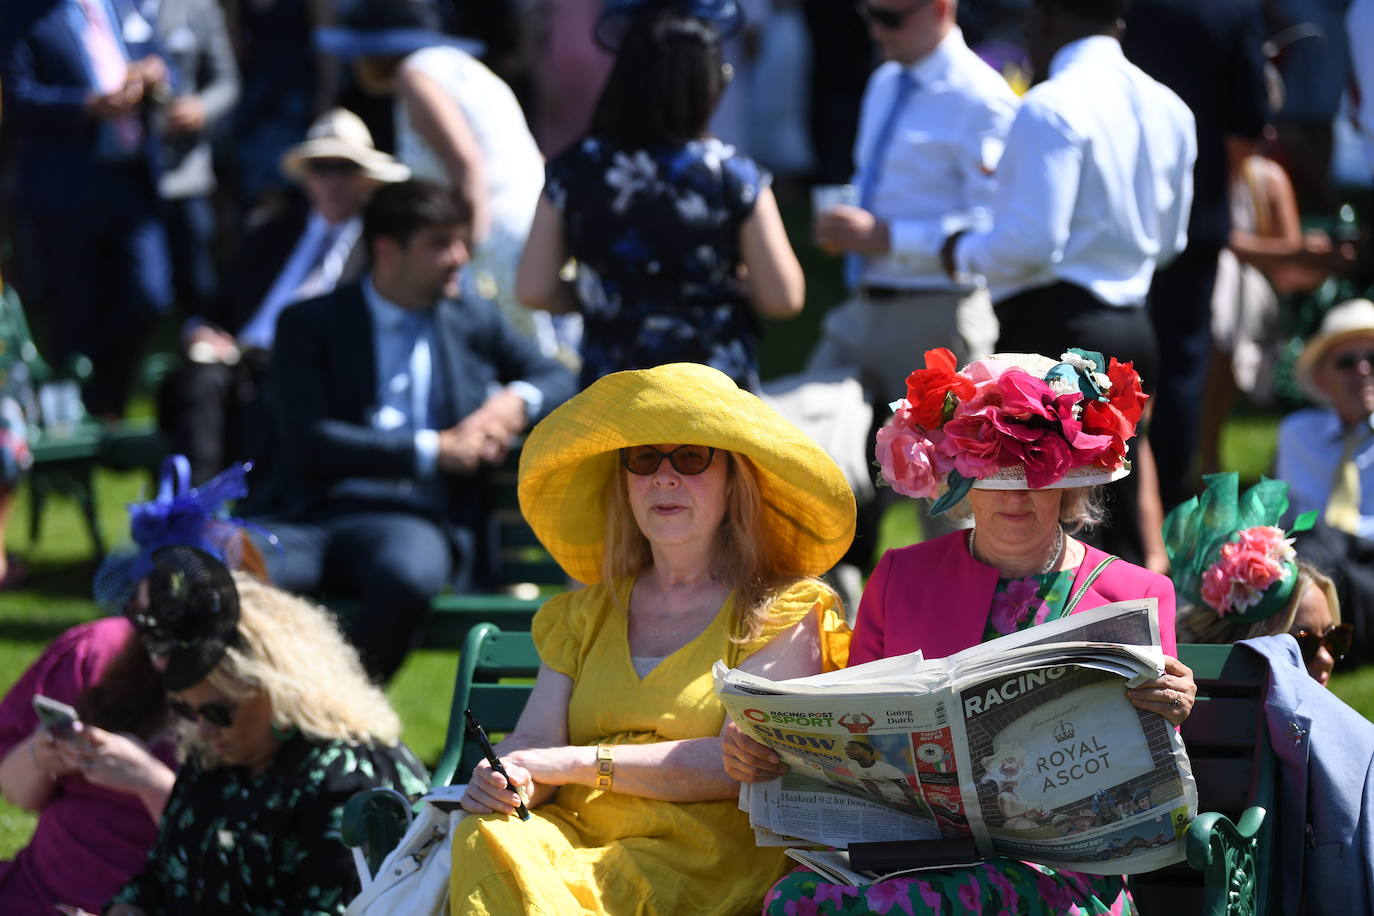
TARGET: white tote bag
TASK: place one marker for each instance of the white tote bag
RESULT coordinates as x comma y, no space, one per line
413,880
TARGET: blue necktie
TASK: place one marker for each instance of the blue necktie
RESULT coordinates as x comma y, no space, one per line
873,168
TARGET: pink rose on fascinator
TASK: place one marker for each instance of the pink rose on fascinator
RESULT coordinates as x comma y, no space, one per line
910,461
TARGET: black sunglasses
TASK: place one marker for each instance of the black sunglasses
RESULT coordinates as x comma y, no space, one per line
887,17
219,714
332,167
1337,641
685,459
1349,361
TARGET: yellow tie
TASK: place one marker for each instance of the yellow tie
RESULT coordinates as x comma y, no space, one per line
1343,506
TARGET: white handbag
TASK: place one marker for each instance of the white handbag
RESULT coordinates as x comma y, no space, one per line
413,879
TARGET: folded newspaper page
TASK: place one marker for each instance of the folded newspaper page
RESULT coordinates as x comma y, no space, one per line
1026,743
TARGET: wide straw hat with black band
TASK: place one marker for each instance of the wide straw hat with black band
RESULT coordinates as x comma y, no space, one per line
340,134
571,457
1351,319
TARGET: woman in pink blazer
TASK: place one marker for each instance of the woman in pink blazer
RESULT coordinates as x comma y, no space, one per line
1022,443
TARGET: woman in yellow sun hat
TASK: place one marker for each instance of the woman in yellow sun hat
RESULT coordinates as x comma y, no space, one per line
699,518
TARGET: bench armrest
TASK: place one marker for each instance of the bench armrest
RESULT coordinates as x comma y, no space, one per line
1228,856
374,821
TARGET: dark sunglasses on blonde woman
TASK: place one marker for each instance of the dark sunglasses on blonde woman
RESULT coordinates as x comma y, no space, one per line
1337,641
219,714
685,459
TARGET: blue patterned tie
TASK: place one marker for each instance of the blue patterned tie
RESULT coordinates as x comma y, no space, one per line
873,168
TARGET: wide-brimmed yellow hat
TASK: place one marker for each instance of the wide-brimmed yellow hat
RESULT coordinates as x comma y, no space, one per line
571,455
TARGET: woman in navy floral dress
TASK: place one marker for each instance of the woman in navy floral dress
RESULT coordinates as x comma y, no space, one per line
660,218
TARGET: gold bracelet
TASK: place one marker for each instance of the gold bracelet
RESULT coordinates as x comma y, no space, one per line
605,766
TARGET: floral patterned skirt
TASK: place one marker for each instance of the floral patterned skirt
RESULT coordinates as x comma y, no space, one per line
994,887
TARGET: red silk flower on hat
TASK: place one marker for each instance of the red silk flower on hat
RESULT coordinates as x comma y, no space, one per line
1118,415
927,389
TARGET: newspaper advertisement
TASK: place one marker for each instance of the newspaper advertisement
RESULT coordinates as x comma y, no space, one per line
1027,744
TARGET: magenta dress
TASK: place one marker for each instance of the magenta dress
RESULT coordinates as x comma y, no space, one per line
89,839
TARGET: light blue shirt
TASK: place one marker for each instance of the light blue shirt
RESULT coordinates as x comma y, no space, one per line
938,171
404,401
407,398
1311,442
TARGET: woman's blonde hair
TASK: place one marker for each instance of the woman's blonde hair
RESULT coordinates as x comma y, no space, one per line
741,560
293,652
1201,623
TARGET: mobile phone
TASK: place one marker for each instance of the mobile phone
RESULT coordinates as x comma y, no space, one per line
56,715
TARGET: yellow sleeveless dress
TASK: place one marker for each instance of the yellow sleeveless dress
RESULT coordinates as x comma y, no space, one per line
590,851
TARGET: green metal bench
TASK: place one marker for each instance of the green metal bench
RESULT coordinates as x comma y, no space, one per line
526,575
64,448
1230,846
376,819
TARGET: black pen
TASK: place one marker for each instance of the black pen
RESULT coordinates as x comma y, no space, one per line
476,731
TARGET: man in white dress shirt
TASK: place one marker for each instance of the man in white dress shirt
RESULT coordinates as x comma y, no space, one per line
1093,194
1326,456
931,128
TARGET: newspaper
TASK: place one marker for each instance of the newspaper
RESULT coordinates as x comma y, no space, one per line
1026,743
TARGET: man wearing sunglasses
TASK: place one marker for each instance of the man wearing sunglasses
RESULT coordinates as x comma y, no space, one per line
1326,455
210,407
931,128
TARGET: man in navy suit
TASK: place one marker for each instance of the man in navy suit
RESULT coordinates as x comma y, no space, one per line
80,78
392,397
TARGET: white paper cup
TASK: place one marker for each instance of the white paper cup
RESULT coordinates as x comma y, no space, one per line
828,196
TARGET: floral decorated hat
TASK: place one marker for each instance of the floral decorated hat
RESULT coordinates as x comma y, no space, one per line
1013,421
1227,552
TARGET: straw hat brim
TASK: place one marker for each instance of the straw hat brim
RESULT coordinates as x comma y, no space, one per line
375,163
1361,324
571,456
1015,478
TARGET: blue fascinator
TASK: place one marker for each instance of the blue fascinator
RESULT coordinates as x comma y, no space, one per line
179,515
724,16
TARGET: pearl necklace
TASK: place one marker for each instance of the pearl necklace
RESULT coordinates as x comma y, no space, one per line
1049,567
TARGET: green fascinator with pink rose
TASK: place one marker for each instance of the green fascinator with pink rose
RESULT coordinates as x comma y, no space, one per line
1227,551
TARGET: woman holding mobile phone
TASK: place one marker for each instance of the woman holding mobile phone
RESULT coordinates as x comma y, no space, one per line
100,783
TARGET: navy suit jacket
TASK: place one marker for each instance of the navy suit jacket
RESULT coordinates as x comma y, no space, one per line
1326,789
46,82
1208,52
322,390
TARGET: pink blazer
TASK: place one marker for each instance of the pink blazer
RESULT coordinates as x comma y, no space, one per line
934,597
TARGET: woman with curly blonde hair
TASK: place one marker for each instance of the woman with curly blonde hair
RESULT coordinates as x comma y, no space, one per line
287,728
